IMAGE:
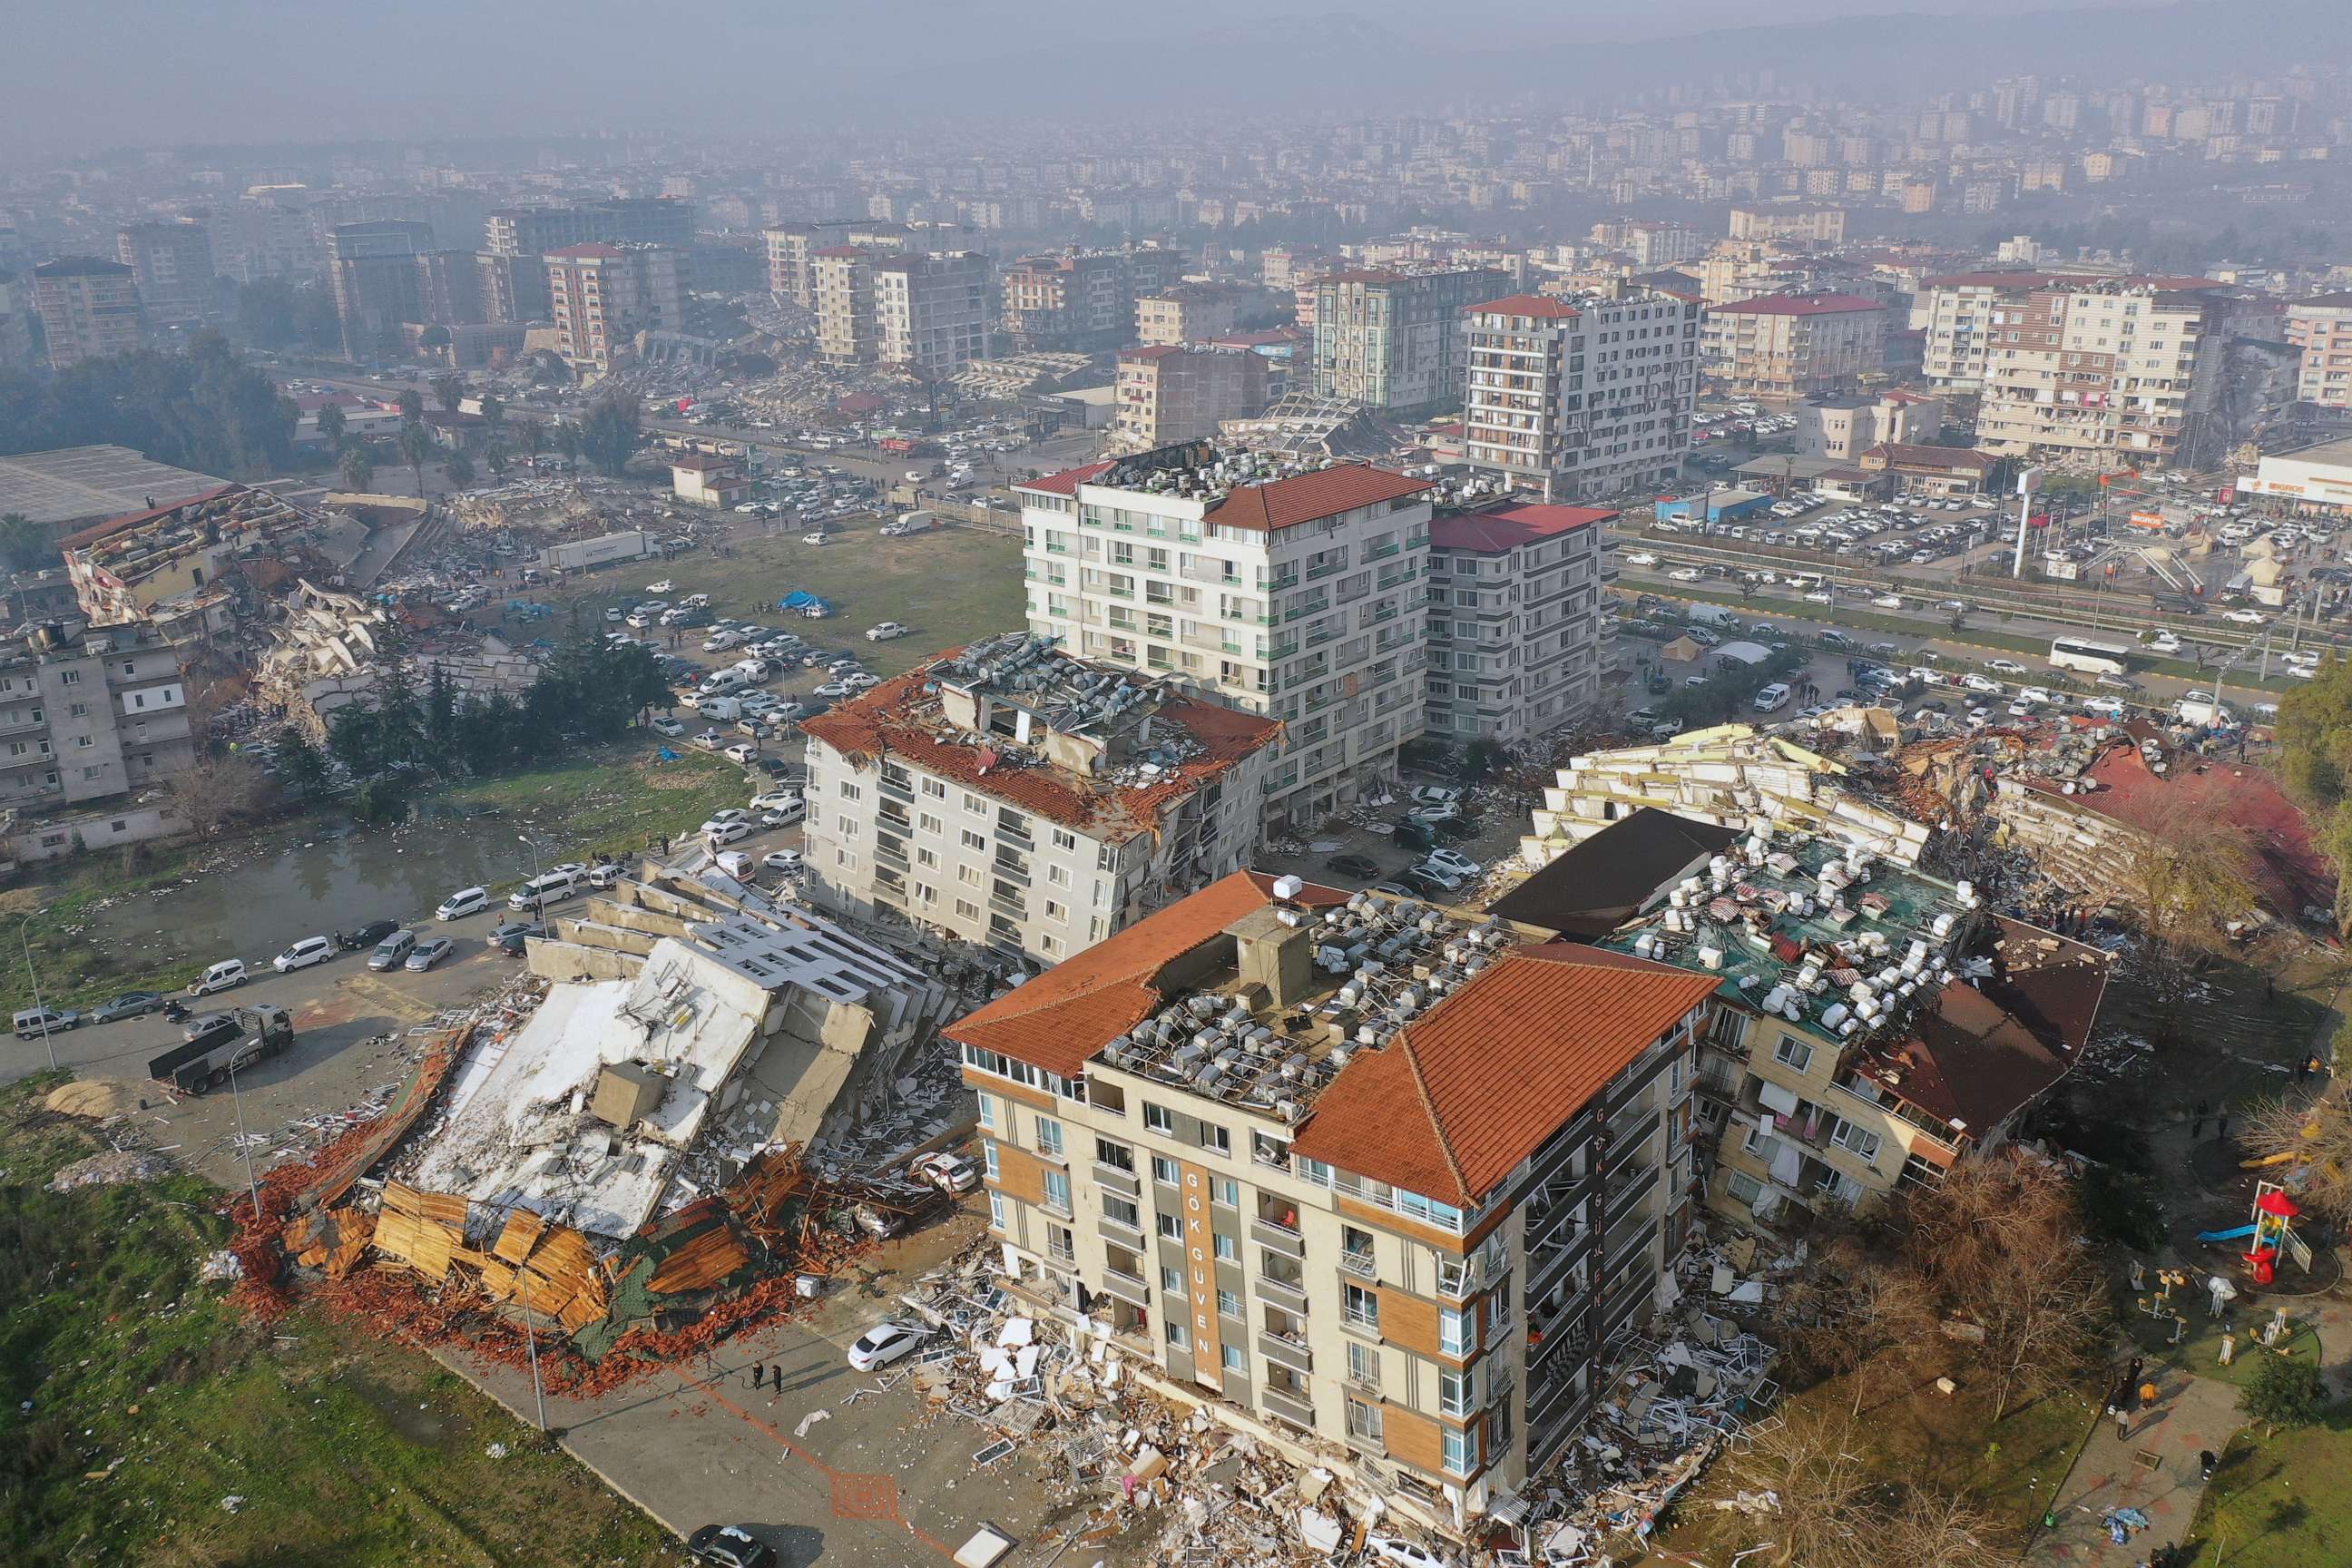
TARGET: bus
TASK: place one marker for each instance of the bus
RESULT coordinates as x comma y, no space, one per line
2075,652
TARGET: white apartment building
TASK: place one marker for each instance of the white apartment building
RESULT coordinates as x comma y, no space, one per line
1792,345
1008,796
1295,595
1516,624
1586,396
2108,373
602,296
933,311
1392,339
2322,328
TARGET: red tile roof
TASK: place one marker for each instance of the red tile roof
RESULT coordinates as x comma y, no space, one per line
1799,305
1066,482
1919,457
1060,1019
1508,527
1305,498
893,720
1149,351
1539,305
1450,1107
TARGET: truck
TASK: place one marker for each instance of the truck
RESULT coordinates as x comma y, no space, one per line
1709,616
219,1041
909,522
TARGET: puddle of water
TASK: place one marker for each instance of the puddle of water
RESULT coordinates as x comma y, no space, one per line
321,879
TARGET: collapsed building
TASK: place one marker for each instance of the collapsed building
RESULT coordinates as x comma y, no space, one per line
1731,776
1871,1025
328,651
1308,426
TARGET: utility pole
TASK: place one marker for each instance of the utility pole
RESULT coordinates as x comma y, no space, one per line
530,1343
33,975
2028,482
237,1099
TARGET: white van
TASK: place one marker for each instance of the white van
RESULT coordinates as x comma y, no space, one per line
310,949
720,709
1773,698
720,680
228,971
540,890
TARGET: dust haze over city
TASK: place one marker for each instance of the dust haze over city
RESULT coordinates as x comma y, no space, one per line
1283,785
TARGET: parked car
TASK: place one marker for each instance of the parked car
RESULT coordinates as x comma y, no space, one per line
1435,794
220,976
310,949
35,1022
428,954
1976,682
1443,811
886,631
1451,863
392,950
784,860
729,1546
717,833
463,902
769,800
884,1343
1357,865
130,1004
2006,666
951,1173
666,725
511,936
740,752
816,538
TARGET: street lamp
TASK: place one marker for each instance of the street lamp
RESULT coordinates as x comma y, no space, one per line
237,1099
539,863
25,937
530,1344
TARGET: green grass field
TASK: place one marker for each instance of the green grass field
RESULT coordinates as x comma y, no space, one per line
135,1405
2279,1502
951,585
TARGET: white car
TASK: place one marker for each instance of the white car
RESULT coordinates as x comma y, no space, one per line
665,725
310,949
221,976
816,538
951,1174
1640,558
784,816
742,752
717,833
1684,574
2035,694
1888,601
785,860
1403,1553
2006,666
1435,812
720,642
2164,642
884,1343
859,681
664,586
769,800
1451,863
2244,617
463,902
1976,682
886,631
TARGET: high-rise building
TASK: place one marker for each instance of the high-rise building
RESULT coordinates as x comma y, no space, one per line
172,264
1809,226
1008,796
933,311
1082,302
1298,595
1187,312
267,232
841,291
1399,1218
2322,328
1582,398
1165,394
516,240
1517,628
1792,345
89,308
793,249
1392,339
372,269
602,296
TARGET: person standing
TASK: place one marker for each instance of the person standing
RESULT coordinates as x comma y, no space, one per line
758,1372
2197,1123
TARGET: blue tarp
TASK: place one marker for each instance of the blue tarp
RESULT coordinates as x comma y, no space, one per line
799,600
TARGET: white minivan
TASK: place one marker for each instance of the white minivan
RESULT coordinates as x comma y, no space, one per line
310,949
228,971
540,890
463,902
1773,698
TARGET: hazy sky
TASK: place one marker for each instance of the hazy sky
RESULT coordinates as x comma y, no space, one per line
108,73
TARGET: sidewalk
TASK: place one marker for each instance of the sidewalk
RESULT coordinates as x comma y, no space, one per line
2191,1414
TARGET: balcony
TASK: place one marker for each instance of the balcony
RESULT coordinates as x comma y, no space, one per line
1378,551
1116,1179
1122,1232
1290,1295
1356,1320
1127,1288
893,790
1011,871
1299,1412
1276,1237
1004,906
1326,570
1284,1350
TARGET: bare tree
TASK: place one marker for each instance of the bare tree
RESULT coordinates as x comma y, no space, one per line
2185,873
2311,1133
1813,1462
1934,1529
1854,1314
211,794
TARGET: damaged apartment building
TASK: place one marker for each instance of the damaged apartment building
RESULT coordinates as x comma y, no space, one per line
93,724
690,1026
1373,1181
1008,796
1871,1025
326,649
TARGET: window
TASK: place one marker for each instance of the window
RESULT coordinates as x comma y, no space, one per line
1792,1053
1163,1169
988,1156
1049,1137
1215,1139
1364,1421
1745,1188
937,790
988,1112
929,823
1853,1139
1159,1117
1228,1304
973,803
1172,1282
1172,1227
926,857
996,1210
1461,1451
848,790
1232,1357
1058,1190
1054,912
1065,840
1457,1392
1360,1307
1226,1191
1363,1364
1226,1251
1122,1211
1452,1334
972,840
1117,1156
969,874
1174,1331
967,908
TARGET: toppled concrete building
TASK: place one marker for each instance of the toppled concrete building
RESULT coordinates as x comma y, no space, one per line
1308,425
2087,808
1733,776
692,1029
327,652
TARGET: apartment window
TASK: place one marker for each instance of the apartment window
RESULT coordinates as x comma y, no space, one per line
1364,1421
1363,1364
849,791
988,1112
1226,1191
1163,1169
1122,1211
1049,1137
935,789
1170,1227
1172,1282
1228,1304
987,1158
1461,1451
929,823
967,909
1853,1139
972,840
1058,875
974,804
1174,1331
1063,840
1058,1190
1232,1357
969,874
1056,912
996,1210
1745,1188
1359,1306
1215,1139
1792,1053
79,709
70,678
1453,1333
1117,1156
1159,1117
1226,1252
1457,1392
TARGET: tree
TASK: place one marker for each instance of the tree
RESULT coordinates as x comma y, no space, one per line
301,766
449,391
25,545
331,424
567,441
534,437
2185,871
203,407
494,412
460,470
1813,1461
2312,1135
608,435
1854,1310
316,320
495,458
213,792
355,471
2285,1391
412,404
414,445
